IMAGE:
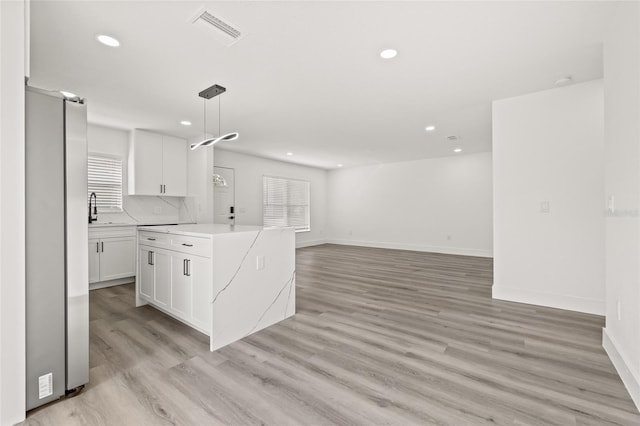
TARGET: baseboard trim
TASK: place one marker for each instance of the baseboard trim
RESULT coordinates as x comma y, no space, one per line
415,247
621,363
551,300
111,283
310,243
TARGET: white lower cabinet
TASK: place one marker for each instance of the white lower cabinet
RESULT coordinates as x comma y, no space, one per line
112,253
162,283
146,274
178,282
180,287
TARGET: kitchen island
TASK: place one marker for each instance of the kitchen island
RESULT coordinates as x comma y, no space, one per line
225,281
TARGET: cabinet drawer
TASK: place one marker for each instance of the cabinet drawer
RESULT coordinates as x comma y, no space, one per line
154,239
192,245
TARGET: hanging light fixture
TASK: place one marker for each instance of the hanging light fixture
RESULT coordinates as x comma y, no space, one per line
218,180
209,93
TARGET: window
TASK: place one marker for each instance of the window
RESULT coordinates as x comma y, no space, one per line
285,203
105,179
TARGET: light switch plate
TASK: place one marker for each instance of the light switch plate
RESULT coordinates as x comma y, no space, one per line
259,262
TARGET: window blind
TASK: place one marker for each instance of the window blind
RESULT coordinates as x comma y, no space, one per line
285,203
105,179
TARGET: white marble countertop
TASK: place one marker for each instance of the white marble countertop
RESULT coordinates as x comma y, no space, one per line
202,229
103,224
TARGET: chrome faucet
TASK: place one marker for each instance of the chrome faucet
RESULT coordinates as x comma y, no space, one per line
93,217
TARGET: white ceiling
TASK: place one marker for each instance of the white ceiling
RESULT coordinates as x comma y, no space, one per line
307,77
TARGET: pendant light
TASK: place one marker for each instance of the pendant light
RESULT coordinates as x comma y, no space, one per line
209,93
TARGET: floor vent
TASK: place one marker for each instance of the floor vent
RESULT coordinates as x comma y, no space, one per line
225,32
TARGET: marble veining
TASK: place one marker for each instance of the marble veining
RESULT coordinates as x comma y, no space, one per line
289,284
239,267
249,297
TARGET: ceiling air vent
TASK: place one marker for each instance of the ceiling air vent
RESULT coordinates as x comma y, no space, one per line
452,138
224,31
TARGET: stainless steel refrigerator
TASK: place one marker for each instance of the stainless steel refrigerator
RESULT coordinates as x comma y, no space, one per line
57,275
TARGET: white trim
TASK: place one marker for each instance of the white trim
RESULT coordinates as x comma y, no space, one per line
622,365
416,247
111,283
551,300
301,244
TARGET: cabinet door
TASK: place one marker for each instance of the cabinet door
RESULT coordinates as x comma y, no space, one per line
147,273
201,292
94,260
174,166
180,287
117,258
162,286
145,175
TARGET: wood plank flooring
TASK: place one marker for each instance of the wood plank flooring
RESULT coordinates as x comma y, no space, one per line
380,337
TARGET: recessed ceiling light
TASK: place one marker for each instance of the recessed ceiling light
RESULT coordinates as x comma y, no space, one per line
388,53
185,123
457,150
339,165
68,94
289,153
107,40
430,128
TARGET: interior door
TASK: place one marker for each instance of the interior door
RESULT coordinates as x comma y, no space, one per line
224,196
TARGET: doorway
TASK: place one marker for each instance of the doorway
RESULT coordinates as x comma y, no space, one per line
224,196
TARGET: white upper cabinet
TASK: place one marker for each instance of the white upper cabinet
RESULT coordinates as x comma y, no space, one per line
174,166
157,164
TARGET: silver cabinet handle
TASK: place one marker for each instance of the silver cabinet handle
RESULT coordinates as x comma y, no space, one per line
161,188
184,266
165,188
188,267
97,247
151,239
153,255
148,258
187,245
102,243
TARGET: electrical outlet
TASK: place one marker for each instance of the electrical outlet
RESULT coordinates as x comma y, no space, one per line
544,207
259,262
611,204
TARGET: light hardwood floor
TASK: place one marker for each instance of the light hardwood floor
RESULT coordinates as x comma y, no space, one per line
380,337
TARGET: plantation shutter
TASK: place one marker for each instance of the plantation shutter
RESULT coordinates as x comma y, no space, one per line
105,179
286,202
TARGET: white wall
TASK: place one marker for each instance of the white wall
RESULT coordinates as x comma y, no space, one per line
439,205
621,336
12,213
140,209
548,147
248,190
